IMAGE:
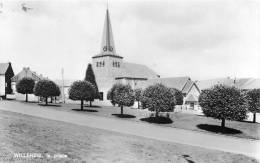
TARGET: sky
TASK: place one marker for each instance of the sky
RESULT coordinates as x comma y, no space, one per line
202,39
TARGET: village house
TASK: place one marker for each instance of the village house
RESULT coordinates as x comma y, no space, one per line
6,73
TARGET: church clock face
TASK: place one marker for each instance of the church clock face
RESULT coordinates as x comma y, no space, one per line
107,48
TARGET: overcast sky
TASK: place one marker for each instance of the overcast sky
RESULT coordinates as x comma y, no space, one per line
202,39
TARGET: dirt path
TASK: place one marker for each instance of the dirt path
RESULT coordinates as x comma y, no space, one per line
210,141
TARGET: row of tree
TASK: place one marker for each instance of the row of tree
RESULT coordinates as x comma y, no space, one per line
157,98
43,88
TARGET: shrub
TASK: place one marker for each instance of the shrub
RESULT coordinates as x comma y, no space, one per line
90,77
46,89
81,90
138,95
159,98
254,102
223,103
25,86
123,95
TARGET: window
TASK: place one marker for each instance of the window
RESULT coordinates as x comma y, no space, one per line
100,64
116,64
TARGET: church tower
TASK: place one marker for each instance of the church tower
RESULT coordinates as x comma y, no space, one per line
107,64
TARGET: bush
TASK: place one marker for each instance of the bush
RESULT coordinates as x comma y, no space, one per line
223,103
159,98
178,96
138,95
25,86
46,89
81,90
254,102
123,95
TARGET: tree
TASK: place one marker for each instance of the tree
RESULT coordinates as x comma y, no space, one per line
123,96
46,89
138,95
254,102
223,103
178,96
81,90
90,77
110,94
159,98
25,86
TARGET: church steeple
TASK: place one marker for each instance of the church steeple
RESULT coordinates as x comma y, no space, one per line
107,45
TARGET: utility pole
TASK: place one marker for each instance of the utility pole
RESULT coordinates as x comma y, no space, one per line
62,77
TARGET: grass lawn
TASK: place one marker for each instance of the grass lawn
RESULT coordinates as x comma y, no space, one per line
179,120
27,134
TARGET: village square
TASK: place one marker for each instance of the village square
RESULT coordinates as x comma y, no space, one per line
121,111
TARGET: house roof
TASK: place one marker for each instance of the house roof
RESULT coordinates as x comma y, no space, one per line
132,70
3,68
241,83
181,83
26,72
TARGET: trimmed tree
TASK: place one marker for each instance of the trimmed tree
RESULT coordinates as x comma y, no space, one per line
123,96
90,77
159,98
223,103
46,89
110,94
25,86
81,90
254,102
138,96
178,96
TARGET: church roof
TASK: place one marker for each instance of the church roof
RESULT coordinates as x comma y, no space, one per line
138,71
107,44
3,68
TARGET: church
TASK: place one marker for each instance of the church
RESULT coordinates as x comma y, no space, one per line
109,67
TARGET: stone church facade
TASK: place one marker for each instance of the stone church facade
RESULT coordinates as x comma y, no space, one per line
110,68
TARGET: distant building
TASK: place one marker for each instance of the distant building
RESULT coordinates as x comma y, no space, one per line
110,68
240,83
6,73
189,89
26,72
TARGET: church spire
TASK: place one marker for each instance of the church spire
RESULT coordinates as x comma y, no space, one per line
108,45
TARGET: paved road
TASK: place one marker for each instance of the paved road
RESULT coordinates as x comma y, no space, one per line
210,141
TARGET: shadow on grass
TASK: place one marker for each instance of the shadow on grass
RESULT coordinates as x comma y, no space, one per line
93,106
54,105
188,158
124,115
85,110
218,129
159,120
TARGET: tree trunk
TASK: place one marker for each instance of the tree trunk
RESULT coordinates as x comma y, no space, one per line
26,98
223,123
90,103
122,110
81,105
138,105
156,113
46,101
254,117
